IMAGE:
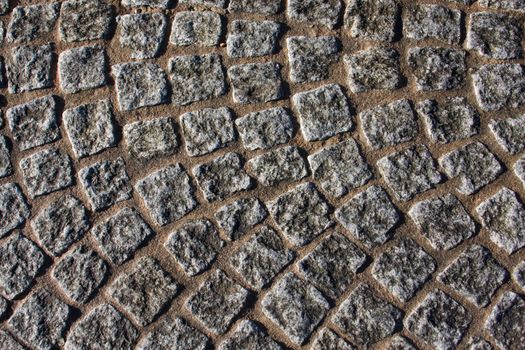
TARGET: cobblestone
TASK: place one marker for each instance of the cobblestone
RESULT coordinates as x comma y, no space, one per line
174,334
249,336
499,86
285,164
372,19
518,275
30,68
506,322
310,57
509,133
256,82
84,20
329,340
82,68
238,217
32,22
142,34
151,139
432,22
263,7
196,28
253,39
319,12
14,209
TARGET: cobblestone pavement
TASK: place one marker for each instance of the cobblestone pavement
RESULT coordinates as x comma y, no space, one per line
262,174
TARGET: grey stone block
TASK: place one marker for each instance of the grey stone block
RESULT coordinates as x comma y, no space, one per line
516,5
509,133
32,22
142,33
319,12
8,342
155,4
238,217
398,342
6,167
174,334
372,19
85,20
249,335
30,68
148,140
199,28
518,275
329,340
285,164
206,3
519,169
506,322
82,68
499,86
256,82
437,22
310,58
253,39
262,7
14,209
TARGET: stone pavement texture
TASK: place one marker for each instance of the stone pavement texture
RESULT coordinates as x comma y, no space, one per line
262,174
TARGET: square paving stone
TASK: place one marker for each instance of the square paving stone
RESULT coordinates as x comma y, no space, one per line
449,120
238,217
261,258
122,234
443,221
196,78
91,127
369,216
473,164
142,33
200,28
249,335
295,306
30,68
518,275
147,140
6,167
32,22
516,5
222,177
332,265
106,183
217,302
366,318
253,39
60,224
389,124
474,274
140,84
41,321
409,172
503,216
144,291
155,4
285,164
256,82
318,12
14,209
499,86
437,68
174,334
422,22
8,342
34,123
495,35
506,322
82,68
168,194
102,328
509,133
195,245
329,340
46,171
207,3
403,269
340,168
20,261
374,69
301,214
85,20
310,57
80,273
265,129
439,321
207,130
372,19
262,7
323,112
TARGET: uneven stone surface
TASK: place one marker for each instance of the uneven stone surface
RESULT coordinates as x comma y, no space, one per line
30,68
517,5
32,22
518,275
479,344
84,20
319,12
6,167
329,340
174,334
252,39
142,34
196,28
509,133
266,128
238,217
14,209
264,7
82,68
250,336
499,86
256,82
8,342
285,164
506,322
432,22
150,139
400,343
310,57
372,19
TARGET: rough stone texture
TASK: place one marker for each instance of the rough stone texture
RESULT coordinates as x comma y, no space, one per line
509,133
329,340
32,22
142,34
159,4
256,82
398,342
366,318
506,322
30,68
194,246
372,19
310,57
6,167
517,5
151,139
518,275
473,164
478,343
263,7
206,3
174,334
437,22
238,217
285,164
266,128
319,12
8,342
519,169
84,20
82,68
196,28
252,39
499,86
295,306
14,209
249,335
261,258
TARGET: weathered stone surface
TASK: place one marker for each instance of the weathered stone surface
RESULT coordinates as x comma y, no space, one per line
310,57
60,224
6,167
144,291
509,133
32,22
323,112
46,171
238,217
102,328
147,140
196,78
222,177
80,273
301,213
8,342
443,221
168,194
30,68
263,7
261,258
473,164
517,5
256,82
252,39
503,216
84,20
82,68
369,216
196,28
439,321
41,320
91,127
319,12
329,340
140,84
518,275
519,169
142,33
4,306
398,342
422,22
207,3
174,334
389,124
451,119
249,335
106,183
285,164
478,343
295,306
372,19
366,318
207,130
121,235
160,4
409,172
14,209
194,246
217,302
506,322
499,86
